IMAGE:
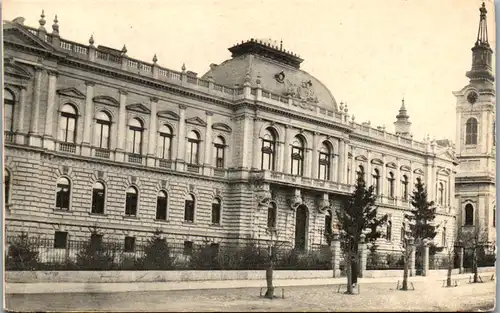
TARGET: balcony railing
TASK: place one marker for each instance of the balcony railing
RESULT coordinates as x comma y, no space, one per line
102,153
135,158
9,136
165,163
193,168
219,172
67,147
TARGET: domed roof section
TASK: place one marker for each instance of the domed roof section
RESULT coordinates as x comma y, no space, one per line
278,70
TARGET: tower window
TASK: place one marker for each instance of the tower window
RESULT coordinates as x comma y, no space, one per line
471,131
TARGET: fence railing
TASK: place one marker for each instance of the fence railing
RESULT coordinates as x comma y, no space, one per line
384,261
49,254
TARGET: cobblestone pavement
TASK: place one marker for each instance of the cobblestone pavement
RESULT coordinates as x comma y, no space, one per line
428,296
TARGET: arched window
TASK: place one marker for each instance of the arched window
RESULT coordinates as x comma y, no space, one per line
268,150
165,142
219,146
63,193
388,231
361,172
102,132
469,214
216,211
390,185
403,231
271,215
131,201
404,189
441,193
376,181
189,208
443,238
297,156
135,131
8,118
161,205
6,185
324,161
67,124
98,198
471,131
193,148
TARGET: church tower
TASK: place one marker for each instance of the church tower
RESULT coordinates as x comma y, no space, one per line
475,141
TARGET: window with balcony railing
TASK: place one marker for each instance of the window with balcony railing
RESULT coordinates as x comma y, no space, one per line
297,156
324,161
268,149
219,146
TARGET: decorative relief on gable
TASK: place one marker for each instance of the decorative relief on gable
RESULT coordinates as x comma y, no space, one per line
391,165
139,108
196,121
168,115
405,168
377,161
304,91
106,100
222,127
71,92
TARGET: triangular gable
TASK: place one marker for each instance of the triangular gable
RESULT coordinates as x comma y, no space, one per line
196,121
443,171
106,100
418,171
168,114
138,107
222,127
71,92
361,158
391,165
377,161
16,70
17,34
405,168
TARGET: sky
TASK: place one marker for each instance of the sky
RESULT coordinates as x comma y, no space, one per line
370,54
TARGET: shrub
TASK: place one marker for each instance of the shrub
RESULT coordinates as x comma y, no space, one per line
95,255
205,258
21,255
156,254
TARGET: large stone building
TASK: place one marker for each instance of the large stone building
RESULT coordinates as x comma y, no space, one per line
95,137
475,142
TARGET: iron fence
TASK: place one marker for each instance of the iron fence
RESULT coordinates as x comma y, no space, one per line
47,254
385,261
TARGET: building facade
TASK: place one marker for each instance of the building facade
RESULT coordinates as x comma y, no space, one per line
254,148
475,141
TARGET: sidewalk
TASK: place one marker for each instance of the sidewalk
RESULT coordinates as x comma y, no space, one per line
37,288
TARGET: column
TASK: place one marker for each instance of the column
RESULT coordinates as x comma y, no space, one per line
363,255
208,146
20,118
383,179
412,262
122,127
285,161
314,157
34,139
89,114
336,254
397,183
153,132
341,162
256,153
368,169
48,136
426,260
246,142
181,139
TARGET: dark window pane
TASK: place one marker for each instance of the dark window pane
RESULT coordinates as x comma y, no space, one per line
60,240
129,244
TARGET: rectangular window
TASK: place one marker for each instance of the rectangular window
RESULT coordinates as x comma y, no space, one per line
188,248
129,244
96,238
60,240
219,156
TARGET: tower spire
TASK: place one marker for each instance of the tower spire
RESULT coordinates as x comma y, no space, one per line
482,32
481,71
402,123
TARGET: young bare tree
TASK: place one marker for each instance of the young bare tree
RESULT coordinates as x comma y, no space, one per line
473,239
450,255
407,246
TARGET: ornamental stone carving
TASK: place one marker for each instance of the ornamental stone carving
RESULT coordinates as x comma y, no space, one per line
323,203
296,199
304,91
263,194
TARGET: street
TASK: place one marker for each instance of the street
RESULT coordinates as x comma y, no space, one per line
428,296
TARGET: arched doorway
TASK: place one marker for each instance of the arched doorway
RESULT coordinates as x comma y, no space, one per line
301,228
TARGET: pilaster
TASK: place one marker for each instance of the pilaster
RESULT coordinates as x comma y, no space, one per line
153,132
207,166
48,136
180,162
122,127
20,119
341,168
35,138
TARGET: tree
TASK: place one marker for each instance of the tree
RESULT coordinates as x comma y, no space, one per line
407,245
450,255
95,255
357,216
22,254
274,245
474,240
421,218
